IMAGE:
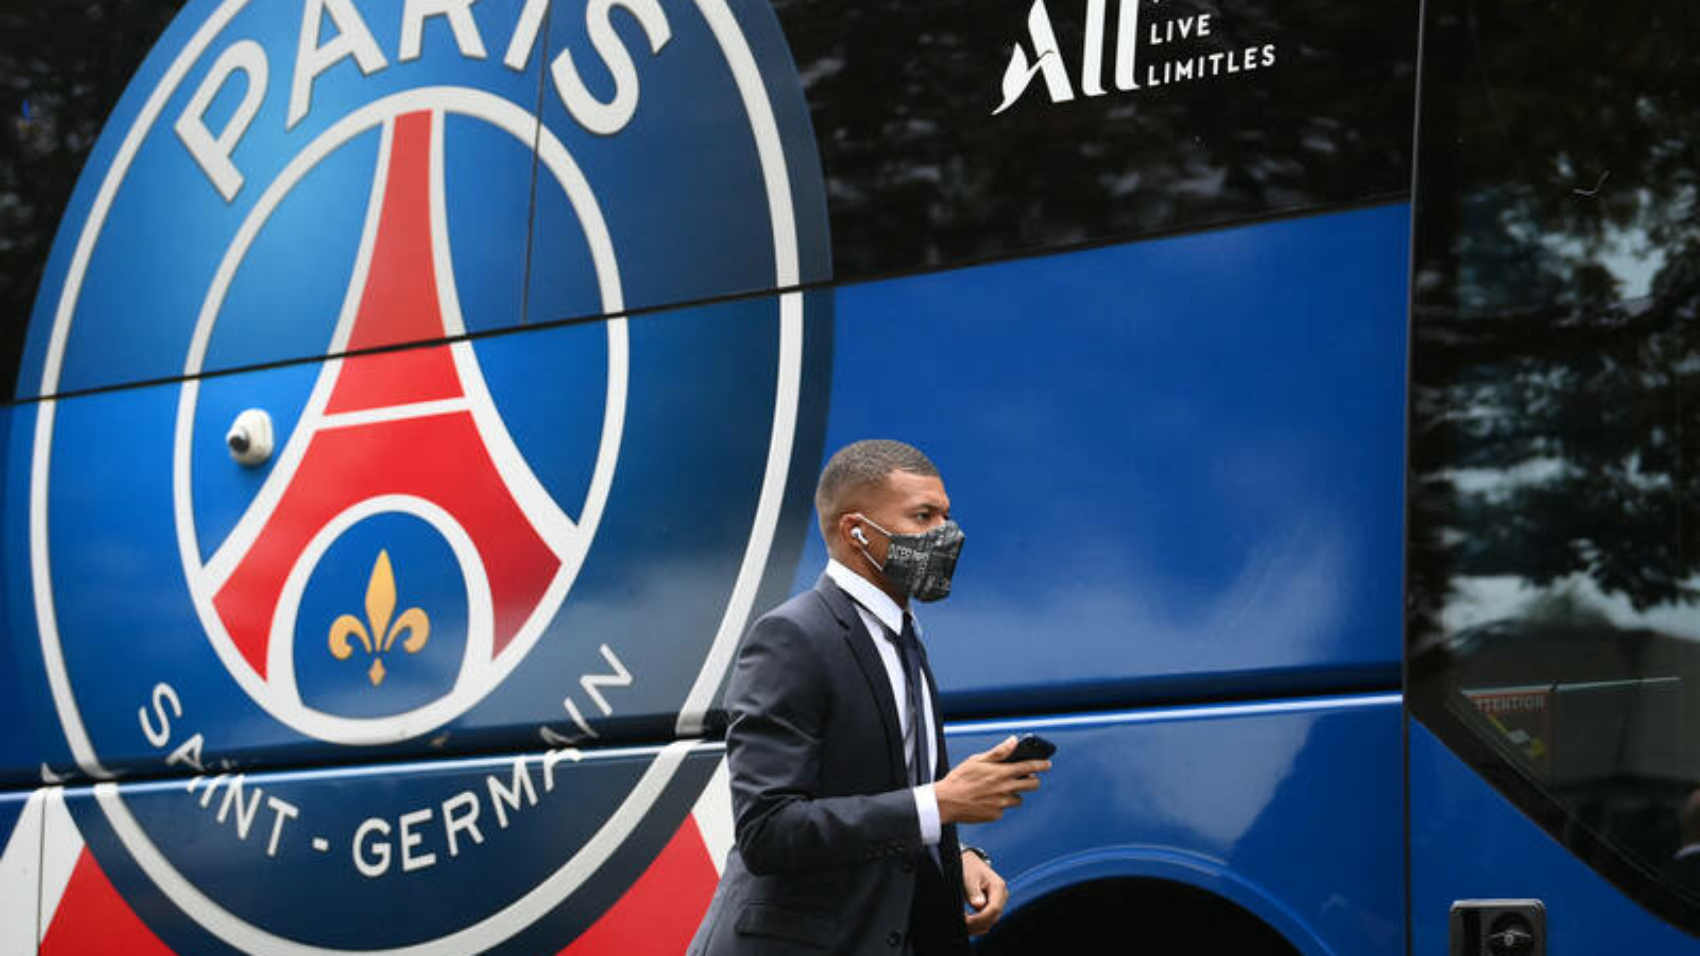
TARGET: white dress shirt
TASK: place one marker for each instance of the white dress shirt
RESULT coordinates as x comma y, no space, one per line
884,621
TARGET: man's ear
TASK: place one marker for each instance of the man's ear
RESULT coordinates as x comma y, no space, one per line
850,531
846,527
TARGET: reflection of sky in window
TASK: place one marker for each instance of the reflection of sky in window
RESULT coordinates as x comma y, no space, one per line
1481,599
1635,272
1502,224
1628,254
1498,484
1624,248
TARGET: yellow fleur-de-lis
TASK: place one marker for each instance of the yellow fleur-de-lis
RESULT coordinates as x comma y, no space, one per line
378,633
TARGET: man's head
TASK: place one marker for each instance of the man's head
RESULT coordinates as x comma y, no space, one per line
870,491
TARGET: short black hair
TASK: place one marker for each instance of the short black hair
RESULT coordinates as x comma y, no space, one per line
864,464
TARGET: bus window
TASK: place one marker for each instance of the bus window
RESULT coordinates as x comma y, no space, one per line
930,161
64,65
1554,563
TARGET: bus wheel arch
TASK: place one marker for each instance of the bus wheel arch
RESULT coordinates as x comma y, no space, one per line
1156,893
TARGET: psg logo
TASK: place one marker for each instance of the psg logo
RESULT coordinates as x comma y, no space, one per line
514,288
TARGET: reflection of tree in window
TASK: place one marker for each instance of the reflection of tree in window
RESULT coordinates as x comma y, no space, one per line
1554,343
1555,380
63,66
920,174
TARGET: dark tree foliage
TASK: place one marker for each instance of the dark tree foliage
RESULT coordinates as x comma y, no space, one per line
919,173
63,65
1556,292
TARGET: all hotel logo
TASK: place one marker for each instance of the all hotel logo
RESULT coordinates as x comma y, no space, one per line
1167,48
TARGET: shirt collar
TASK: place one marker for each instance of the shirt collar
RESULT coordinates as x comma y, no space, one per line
868,595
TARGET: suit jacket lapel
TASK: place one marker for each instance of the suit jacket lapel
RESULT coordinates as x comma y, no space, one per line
861,646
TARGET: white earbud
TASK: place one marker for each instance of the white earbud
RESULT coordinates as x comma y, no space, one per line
858,535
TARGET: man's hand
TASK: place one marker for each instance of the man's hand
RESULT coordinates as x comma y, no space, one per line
985,892
981,788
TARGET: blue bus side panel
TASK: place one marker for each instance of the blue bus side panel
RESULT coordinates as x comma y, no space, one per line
1289,810
11,808
1468,842
1177,462
31,742
16,746
475,853
1222,798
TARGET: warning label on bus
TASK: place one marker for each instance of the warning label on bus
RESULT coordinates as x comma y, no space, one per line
1523,715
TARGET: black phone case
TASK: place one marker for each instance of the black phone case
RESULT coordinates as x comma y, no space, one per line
1031,747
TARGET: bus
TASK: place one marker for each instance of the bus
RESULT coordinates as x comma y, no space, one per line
413,402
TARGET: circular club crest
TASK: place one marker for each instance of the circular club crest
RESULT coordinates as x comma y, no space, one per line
503,277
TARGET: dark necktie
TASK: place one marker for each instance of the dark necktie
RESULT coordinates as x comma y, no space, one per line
909,652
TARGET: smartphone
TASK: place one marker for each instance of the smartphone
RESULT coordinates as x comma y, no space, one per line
1031,747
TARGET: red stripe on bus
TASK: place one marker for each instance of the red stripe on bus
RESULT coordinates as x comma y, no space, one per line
660,913
93,918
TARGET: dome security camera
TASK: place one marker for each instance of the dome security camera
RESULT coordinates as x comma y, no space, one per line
250,438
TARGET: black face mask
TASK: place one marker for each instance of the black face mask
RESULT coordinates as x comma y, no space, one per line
920,565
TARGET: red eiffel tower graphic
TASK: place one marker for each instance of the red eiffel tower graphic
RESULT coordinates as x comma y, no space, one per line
397,423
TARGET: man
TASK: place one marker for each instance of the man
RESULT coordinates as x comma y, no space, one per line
845,814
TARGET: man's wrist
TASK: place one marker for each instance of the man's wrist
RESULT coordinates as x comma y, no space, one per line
947,806
985,857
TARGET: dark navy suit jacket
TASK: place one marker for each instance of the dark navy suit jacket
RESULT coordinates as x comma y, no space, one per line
828,842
